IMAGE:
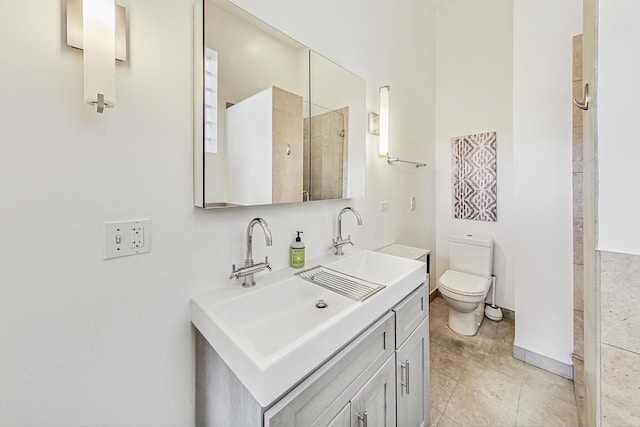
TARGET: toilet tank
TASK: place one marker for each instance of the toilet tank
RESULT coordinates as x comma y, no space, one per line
471,254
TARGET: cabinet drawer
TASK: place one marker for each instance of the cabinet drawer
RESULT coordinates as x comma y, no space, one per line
322,395
410,312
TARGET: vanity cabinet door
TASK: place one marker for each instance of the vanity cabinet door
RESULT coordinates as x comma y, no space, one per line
343,419
375,403
412,373
410,312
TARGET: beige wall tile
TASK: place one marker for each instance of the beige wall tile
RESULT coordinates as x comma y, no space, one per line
577,148
578,333
578,206
578,287
578,93
620,387
620,293
577,57
578,241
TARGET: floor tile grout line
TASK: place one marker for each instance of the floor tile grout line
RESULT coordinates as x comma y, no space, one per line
519,397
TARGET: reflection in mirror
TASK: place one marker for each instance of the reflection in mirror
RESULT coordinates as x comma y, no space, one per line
324,169
254,142
337,166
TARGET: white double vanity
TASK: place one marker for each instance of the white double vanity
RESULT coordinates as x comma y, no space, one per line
290,352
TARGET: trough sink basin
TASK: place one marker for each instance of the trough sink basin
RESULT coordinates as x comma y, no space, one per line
273,335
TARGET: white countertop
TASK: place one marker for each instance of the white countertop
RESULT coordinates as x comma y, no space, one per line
404,251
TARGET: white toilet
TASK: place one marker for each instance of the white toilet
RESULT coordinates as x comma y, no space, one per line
465,285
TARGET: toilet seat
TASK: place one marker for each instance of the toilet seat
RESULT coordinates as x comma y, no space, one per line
465,284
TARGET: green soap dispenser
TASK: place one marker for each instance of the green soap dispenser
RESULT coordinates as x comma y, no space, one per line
296,252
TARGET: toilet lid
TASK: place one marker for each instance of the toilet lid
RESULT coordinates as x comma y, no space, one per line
464,283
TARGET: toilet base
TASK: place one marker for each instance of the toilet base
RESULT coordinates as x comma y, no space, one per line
466,323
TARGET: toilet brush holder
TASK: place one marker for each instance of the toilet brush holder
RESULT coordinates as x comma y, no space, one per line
493,312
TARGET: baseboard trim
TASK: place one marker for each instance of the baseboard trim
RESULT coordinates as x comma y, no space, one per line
543,362
508,314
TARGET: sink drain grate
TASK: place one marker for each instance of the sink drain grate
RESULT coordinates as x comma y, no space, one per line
344,284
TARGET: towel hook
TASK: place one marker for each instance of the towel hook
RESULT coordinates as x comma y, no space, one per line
584,104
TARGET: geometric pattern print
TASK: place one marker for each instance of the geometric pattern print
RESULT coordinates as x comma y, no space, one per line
474,177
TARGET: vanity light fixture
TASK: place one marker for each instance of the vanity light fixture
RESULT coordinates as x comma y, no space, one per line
98,27
379,125
379,122
383,124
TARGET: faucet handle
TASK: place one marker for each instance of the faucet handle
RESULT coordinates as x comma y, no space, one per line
266,261
234,272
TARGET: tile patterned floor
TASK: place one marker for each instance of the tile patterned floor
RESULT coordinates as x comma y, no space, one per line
475,381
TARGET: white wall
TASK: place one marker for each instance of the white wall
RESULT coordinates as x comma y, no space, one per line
542,43
474,58
618,112
87,341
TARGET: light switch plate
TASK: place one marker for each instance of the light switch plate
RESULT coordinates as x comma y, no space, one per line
124,238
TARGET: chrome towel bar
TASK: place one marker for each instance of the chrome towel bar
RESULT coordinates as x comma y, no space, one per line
418,165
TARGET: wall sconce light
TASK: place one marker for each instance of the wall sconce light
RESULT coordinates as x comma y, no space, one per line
98,27
379,123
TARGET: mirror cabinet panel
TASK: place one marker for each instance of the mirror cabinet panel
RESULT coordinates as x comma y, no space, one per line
274,122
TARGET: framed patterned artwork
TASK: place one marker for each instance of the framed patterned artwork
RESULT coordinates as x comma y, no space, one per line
474,177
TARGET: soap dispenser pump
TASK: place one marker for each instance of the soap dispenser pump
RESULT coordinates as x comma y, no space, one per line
296,252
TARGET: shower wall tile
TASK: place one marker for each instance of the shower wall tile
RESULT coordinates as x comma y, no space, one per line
578,333
577,148
620,293
578,210
578,203
578,241
620,382
578,94
577,57
578,287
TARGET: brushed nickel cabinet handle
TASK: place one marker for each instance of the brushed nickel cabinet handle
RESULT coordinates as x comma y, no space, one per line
405,366
362,419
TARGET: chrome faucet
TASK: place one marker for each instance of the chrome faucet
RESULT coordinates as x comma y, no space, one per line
339,242
250,268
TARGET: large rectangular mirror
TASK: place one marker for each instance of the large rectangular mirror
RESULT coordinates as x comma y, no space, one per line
274,122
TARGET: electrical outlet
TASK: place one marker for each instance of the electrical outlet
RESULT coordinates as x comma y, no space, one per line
124,238
412,202
384,206
137,237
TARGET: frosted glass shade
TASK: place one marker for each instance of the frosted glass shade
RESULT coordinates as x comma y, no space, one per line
98,34
383,140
